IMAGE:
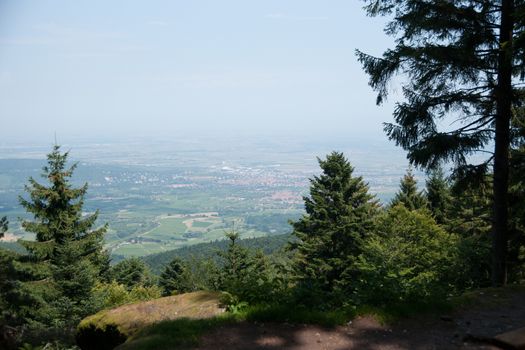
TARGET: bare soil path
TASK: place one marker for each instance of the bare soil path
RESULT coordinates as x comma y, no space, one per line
489,314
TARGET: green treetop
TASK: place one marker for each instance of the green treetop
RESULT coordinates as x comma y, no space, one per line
463,69
438,195
175,278
67,254
339,214
408,194
3,226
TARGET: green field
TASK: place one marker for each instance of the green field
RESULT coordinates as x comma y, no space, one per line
176,232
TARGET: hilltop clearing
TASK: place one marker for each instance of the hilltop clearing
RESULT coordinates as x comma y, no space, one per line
484,315
194,321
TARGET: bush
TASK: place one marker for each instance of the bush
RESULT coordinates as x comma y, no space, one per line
114,294
407,259
91,337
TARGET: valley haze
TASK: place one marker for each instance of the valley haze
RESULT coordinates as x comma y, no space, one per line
166,193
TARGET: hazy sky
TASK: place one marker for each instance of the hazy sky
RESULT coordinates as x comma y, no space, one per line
123,67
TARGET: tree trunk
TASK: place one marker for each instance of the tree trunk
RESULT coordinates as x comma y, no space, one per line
501,148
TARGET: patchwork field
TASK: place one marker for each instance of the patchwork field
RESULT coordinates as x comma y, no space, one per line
176,231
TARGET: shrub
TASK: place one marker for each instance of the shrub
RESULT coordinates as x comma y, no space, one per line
91,337
407,259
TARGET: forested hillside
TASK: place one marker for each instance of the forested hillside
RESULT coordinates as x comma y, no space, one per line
206,251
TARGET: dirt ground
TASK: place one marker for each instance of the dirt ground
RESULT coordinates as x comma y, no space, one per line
488,315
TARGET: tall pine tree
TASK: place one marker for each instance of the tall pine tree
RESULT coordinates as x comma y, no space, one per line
339,214
52,284
463,60
439,198
408,194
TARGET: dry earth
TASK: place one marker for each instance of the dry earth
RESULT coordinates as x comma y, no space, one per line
488,314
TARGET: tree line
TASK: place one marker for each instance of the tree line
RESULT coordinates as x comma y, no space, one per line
347,250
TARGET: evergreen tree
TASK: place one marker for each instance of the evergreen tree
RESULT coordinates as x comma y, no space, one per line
174,278
3,226
438,195
339,214
463,60
236,263
408,194
66,256
469,218
132,272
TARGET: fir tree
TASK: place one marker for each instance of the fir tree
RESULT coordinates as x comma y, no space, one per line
3,226
339,214
408,194
236,264
469,217
438,195
462,60
132,272
174,278
66,256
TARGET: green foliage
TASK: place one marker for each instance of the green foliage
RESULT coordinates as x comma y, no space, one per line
175,278
517,210
461,61
194,255
438,197
243,274
408,194
339,215
408,259
132,272
469,218
91,337
143,293
3,226
112,294
50,287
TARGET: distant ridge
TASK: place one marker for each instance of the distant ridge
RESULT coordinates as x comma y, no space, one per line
204,251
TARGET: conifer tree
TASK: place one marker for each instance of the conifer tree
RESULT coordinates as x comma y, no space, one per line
408,194
132,272
236,265
339,214
469,217
3,226
463,61
438,195
66,256
174,278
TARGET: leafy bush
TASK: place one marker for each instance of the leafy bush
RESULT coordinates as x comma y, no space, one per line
143,293
114,294
407,259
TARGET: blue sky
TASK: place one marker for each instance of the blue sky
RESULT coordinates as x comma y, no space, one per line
124,67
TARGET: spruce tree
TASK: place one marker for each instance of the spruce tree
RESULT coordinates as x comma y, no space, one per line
408,194
174,278
438,195
132,272
53,282
236,263
3,226
462,60
339,214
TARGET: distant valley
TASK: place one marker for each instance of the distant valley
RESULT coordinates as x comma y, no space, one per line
159,197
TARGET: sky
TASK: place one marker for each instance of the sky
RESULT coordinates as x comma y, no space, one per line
129,68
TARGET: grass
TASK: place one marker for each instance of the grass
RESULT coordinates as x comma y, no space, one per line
391,313
176,334
185,333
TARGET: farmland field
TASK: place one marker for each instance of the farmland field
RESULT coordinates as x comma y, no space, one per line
169,197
